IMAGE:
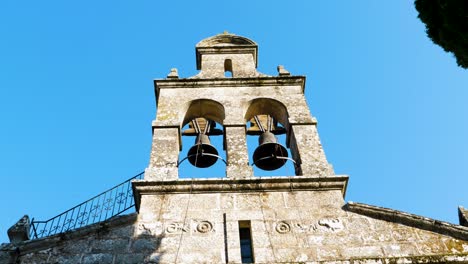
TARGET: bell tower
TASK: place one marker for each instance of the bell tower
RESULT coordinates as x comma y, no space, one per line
230,92
237,215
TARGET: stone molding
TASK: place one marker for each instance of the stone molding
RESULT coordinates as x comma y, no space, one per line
256,184
425,223
446,258
229,82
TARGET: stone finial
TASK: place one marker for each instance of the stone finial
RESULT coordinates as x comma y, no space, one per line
173,74
463,216
282,71
19,232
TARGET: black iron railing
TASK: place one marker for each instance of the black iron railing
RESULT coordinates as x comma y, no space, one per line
97,209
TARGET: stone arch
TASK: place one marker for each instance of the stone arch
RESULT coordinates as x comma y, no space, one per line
278,111
267,106
207,144
206,108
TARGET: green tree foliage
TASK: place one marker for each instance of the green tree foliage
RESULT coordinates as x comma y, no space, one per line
447,25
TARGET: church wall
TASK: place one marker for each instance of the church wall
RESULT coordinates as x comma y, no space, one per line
286,226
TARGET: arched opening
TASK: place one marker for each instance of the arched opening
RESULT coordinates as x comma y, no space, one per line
202,154
206,108
228,68
268,106
267,130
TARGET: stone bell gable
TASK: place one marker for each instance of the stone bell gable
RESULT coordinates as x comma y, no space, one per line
300,217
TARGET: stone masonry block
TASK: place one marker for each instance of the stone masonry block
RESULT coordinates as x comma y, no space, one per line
145,245
130,258
399,250
164,154
111,245
307,149
104,258
236,152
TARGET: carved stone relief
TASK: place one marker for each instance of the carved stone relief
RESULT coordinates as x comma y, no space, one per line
204,226
283,227
322,225
332,224
176,228
192,226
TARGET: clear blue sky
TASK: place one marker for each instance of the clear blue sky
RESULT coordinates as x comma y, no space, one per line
77,99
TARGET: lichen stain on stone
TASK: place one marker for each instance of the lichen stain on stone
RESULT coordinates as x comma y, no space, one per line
456,246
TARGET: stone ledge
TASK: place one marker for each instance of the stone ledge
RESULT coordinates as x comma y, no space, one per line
229,82
447,258
390,215
224,185
210,185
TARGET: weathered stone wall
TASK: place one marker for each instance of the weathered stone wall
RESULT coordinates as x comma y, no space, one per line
286,226
164,154
236,149
213,66
235,98
110,242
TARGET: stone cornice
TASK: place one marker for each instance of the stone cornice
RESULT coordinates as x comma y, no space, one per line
257,184
443,258
390,215
228,82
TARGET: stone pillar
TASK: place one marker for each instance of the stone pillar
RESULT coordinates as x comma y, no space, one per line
236,153
19,232
164,154
307,151
463,216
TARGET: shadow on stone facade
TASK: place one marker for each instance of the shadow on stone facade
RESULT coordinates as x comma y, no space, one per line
145,247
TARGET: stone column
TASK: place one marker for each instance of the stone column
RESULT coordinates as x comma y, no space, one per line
164,154
463,216
307,151
236,153
19,232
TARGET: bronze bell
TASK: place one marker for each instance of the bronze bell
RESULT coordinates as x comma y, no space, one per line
202,154
270,155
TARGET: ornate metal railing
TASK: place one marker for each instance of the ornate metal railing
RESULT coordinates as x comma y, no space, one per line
97,209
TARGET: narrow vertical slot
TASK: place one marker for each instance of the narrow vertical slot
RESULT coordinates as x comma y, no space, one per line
245,236
228,68
226,255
